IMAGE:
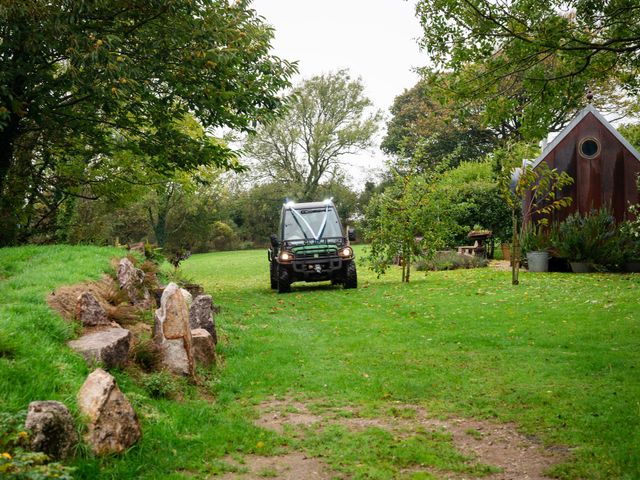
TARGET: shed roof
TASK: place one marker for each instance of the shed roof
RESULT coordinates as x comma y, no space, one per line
576,120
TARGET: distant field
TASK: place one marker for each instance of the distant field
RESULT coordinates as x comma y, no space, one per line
558,355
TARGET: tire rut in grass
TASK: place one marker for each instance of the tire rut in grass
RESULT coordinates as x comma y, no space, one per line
290,466
496,444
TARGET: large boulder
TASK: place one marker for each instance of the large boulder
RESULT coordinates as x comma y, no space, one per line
52,429
113,425
201,315
90,312
204,350
108,347
172,333
188,298
131,280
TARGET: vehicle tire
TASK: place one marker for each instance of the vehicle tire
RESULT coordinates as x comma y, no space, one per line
284,281
273,274
351,276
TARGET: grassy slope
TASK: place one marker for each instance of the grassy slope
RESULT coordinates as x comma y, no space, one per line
35,364
558,355
34,361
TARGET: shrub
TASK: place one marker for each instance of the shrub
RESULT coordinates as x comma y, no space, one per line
151,271
630,231
223,237
535,238
160,385
177,275
449,260
153,253
246,245
175,256
592,238
124,314
468,195
146,354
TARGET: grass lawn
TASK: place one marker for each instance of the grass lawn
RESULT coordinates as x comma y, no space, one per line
558,355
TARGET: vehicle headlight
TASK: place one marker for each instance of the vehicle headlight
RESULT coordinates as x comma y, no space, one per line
286,256
346,252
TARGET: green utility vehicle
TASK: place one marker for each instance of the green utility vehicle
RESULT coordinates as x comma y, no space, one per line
311,246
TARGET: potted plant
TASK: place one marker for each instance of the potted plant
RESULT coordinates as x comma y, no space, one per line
535,241
590,241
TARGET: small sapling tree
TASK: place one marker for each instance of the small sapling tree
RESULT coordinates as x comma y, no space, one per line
543,186
401,223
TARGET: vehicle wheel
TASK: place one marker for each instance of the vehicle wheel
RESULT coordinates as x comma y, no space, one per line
284,281
273,273
351,276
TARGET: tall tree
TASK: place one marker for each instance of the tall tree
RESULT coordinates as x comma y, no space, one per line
427,124
533,60
82,79
328,117
175,212
469,196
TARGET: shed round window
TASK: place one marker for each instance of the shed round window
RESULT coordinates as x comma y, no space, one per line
589,147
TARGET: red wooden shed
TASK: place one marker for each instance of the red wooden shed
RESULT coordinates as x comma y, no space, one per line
603,164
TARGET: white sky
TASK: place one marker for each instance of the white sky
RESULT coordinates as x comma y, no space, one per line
375,39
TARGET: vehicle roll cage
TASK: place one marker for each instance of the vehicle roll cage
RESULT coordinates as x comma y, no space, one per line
297,216
305,228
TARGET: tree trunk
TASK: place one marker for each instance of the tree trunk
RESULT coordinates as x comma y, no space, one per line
164,206
11,196
8,137
515,250
160,227
310,191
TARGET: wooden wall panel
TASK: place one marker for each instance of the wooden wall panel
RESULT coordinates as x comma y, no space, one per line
619,203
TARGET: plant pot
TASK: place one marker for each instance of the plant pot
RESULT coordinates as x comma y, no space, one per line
581,267
538,261
632,266
506,251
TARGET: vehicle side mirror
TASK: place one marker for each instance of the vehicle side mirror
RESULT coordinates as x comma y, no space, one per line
274,240
351,233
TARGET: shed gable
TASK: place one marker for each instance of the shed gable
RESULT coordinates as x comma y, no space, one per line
603,164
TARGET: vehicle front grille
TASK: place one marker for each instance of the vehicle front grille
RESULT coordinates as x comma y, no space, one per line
311,252
305,255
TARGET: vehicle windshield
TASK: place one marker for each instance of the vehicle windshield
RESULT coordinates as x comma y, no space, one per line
310,224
